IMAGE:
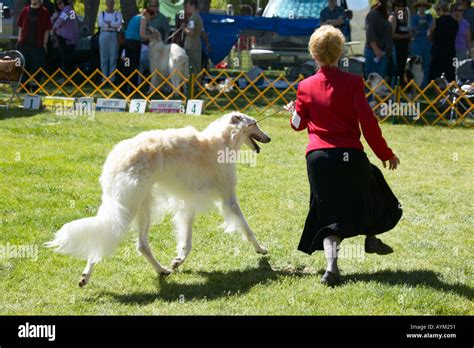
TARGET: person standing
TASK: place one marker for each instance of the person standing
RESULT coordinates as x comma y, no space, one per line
67,32
193,31
159,22
135,33
379,40
469,16
420,23
442,34
34,26
463,37
332,15
349,196
110,22
401,36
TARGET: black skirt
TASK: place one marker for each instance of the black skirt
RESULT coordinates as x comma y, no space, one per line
349,197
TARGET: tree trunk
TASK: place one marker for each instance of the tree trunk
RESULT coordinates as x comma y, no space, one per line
17,7
129,9
204,6
91,8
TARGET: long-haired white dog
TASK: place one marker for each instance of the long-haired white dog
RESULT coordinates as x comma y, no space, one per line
158,172
168,59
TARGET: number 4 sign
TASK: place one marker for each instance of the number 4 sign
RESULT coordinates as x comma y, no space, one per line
194,107
137,106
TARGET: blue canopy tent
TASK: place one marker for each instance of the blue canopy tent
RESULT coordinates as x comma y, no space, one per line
224,30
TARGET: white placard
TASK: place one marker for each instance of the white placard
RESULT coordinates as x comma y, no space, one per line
117,105
32,102
194,107
85,103
166,106
137,106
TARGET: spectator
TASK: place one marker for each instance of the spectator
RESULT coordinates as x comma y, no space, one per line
463,37
35,24
110,22
159,22
332,15
180,19
401,36
379,39
193,31
135,33
442,34
469,16
420,23
67,32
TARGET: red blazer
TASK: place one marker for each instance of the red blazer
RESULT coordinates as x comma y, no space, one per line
332,104
44,24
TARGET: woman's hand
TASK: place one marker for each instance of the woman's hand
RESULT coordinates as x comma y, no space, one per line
290,107
392,163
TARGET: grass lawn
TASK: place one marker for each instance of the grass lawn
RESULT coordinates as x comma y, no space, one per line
49,176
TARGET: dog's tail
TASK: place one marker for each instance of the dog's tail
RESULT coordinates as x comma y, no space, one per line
93,238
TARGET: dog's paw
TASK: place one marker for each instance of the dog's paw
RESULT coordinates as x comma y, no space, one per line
83,282
262,250
176,263
164,271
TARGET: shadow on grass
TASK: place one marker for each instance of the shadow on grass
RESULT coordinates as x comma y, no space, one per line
217,284
411,278
18,113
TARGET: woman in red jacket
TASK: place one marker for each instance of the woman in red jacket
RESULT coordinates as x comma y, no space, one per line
349,195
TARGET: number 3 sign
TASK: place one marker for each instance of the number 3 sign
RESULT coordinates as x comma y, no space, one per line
137,105
194,107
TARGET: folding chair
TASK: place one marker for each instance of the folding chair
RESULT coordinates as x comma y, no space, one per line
12,64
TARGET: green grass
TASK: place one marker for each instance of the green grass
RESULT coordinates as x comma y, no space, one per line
49,176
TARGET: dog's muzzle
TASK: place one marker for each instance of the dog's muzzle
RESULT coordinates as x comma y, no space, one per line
263,138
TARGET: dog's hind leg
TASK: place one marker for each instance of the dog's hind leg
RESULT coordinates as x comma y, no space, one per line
183,221
232,211
144,221
86,274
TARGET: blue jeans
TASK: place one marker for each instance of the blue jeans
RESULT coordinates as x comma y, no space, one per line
371,66
108,46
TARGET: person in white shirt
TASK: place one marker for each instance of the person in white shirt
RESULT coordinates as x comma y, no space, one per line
110,22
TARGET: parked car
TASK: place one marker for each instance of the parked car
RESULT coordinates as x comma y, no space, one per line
275,51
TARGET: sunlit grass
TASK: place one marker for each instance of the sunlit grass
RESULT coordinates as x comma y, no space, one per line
49,176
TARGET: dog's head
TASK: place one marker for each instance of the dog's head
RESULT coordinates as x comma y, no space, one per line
154,34
247,130
374,79
414,62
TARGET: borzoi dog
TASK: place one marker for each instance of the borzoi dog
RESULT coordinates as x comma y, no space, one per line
168,60
164,171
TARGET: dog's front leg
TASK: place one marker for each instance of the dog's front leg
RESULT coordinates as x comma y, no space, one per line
86,274
232,206
183,221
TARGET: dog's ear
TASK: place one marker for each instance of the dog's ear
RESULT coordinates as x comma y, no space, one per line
236,119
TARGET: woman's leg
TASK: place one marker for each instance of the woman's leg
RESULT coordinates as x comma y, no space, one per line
104,53
113,54
331,244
